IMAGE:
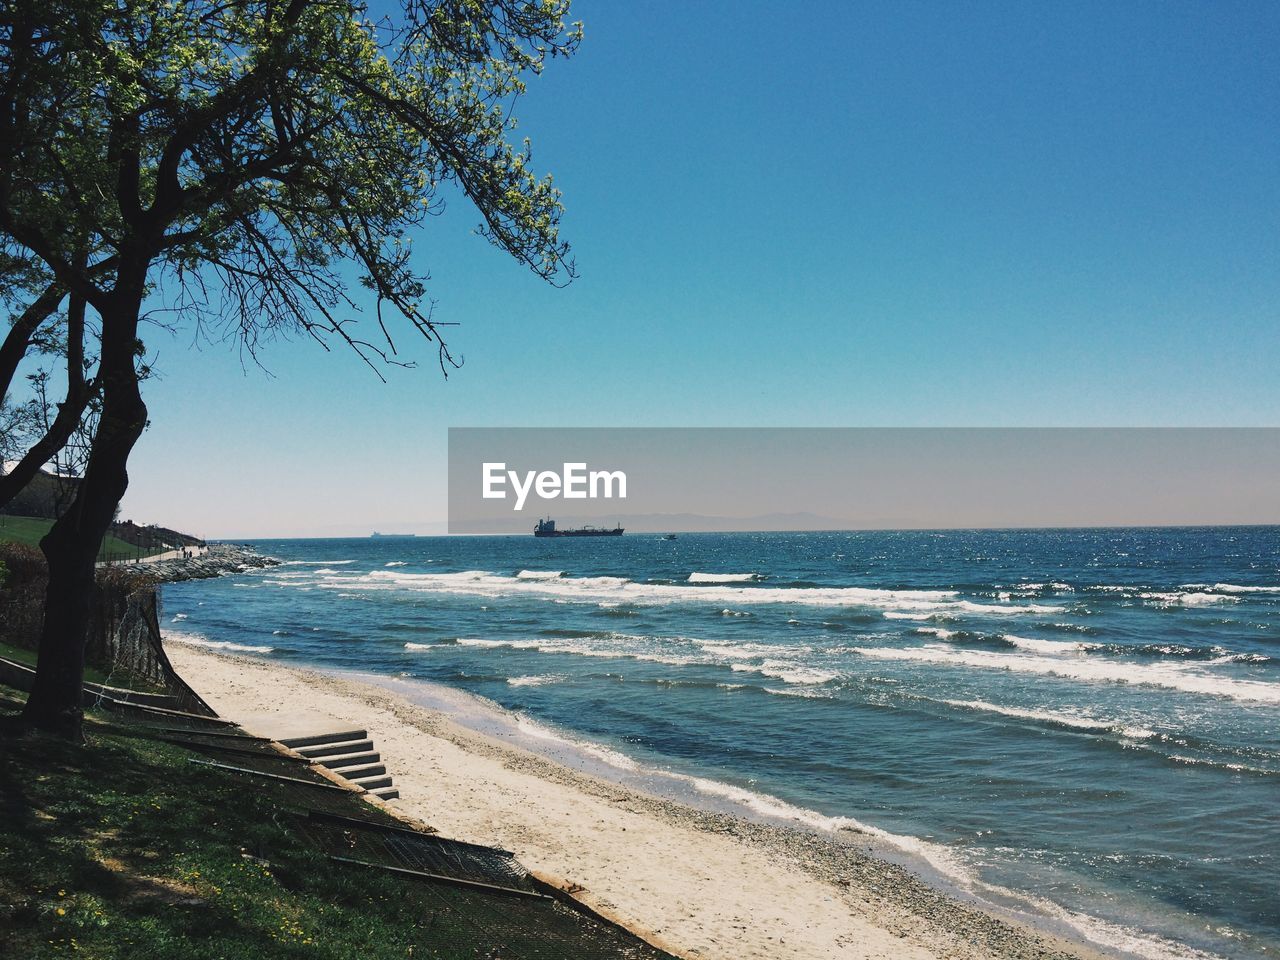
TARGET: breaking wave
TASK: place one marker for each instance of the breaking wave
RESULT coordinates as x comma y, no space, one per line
919,604
724,577
1173,676
195,640
1056,719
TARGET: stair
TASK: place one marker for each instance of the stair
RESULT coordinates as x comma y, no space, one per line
349,754
335,747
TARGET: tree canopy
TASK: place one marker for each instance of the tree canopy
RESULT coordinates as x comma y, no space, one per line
264,164
251,148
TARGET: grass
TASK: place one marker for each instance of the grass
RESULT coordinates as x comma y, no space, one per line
91,674
29,530
123,849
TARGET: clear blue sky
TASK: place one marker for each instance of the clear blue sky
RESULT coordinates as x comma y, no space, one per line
812,214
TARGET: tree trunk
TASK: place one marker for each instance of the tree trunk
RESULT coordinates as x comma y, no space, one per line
71,545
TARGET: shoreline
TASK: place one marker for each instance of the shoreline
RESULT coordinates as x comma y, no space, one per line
699,883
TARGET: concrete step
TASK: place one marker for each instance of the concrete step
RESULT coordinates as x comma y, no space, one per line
367,770
386,793
371,783
339,736
351,760
335,749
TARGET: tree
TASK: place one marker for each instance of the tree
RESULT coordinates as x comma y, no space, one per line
250,159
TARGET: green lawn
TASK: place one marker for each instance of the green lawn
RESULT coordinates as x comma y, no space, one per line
124,849
31,529
91,674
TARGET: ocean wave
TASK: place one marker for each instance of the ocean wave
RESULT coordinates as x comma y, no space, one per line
1052,647
1218,764
786,671
535,681
939,632
621,590
1052,718
179,617
1183,598
1167,675
538,731
763,804
539,574
757,658
315,563
723,577
1230,588
396,563
744,651
420,646
806,693
195,640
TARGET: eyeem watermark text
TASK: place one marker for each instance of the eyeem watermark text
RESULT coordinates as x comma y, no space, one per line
575,482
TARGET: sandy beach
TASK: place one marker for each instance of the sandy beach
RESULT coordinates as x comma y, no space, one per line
699,884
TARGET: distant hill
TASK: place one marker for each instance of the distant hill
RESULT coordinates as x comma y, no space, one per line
47,495
44,497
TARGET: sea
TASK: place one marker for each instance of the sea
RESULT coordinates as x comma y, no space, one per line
1076,727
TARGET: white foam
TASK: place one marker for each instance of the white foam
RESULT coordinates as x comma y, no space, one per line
397,563
917,603
315,563
535,681
1235,588
723,577
789,672
612,757
786,671
179,617
420,646
481,642
1187,598
807,693
1092,670
743,651
539,574
196,640
934,854
938,632
1082,722
1052,647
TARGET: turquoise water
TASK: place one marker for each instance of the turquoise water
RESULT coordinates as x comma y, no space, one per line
1089,718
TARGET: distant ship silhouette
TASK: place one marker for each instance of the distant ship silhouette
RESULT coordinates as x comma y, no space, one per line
547,528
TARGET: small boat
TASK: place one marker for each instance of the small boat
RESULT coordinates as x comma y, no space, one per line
669,536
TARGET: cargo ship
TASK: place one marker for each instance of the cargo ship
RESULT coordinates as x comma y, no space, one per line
547,528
